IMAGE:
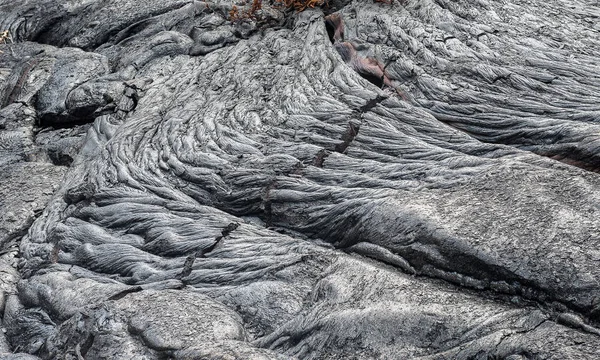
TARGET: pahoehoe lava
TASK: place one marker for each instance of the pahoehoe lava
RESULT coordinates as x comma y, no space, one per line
358,180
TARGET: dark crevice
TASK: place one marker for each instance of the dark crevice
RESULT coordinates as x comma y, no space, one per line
189,261
347,137
334,27
267,206
59,158
319,159
374,79
125,292
371,104
41,34
579,161
87,344
81,192
187,266
228,229
501,77
56,121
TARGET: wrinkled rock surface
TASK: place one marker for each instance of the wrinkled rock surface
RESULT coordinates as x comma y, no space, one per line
177,184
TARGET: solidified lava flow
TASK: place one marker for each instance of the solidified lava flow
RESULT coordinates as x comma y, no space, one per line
357,180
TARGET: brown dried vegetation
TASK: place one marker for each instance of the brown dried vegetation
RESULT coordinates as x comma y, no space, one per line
301,5
250,13
235,14
5,37
247,13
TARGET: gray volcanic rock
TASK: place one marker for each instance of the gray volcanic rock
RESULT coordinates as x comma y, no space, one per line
409,180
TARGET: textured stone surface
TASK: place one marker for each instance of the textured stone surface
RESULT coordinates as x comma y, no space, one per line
422,184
